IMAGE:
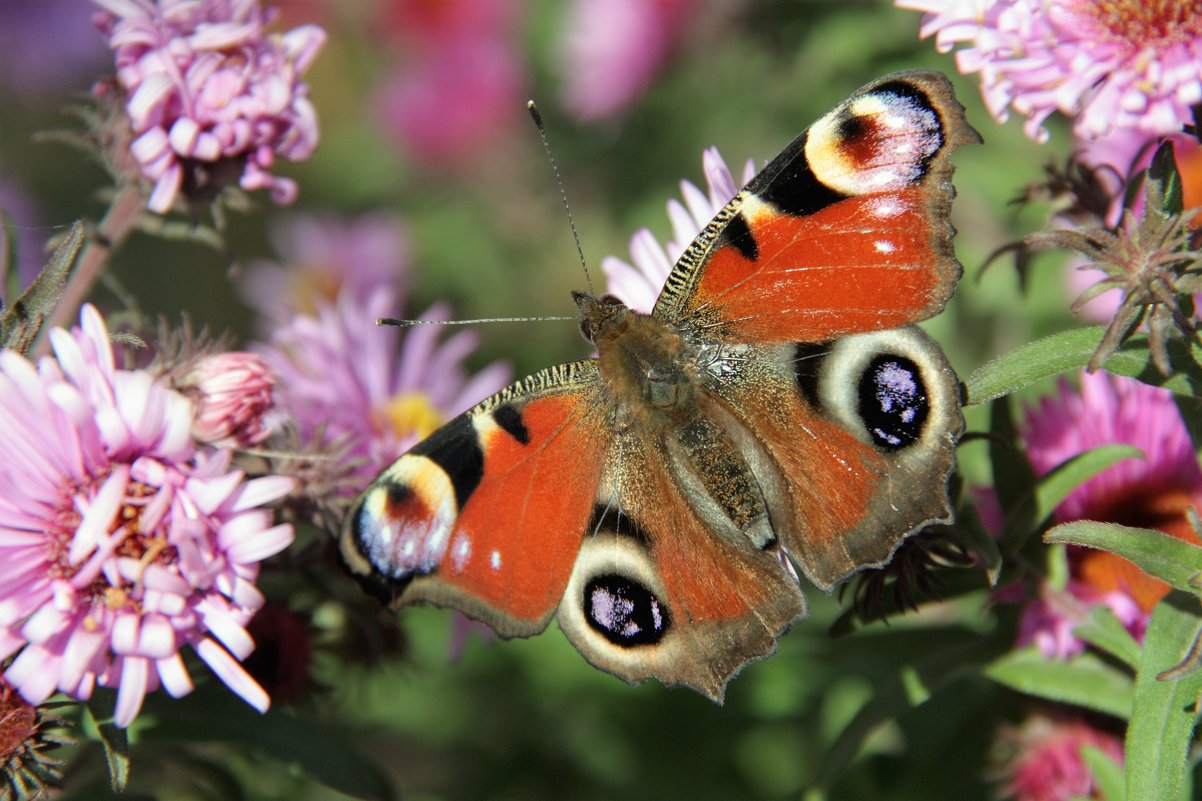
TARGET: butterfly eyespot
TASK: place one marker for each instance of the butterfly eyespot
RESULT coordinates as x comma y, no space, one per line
893,401
623,611
890,387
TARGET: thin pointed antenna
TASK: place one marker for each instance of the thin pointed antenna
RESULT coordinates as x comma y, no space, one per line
542,134
406,323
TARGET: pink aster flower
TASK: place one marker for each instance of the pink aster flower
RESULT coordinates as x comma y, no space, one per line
206,84
1048,765
322,257
1154,492
638,286
612,50
122,541
1113,65
460,82
233,396
382,388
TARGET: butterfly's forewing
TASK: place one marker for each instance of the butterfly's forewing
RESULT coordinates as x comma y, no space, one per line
845,231
812,274
487,514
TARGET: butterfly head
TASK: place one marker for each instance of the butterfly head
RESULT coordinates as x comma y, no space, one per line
597,312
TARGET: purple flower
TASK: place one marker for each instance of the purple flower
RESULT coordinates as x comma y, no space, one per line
122,541
1153,492
323,257
380,389
1115,65
205,83
638,286
613,48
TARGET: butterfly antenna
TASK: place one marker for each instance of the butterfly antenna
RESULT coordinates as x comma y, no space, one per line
542,134
393,321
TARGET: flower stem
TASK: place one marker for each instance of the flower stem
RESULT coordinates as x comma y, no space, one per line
112,230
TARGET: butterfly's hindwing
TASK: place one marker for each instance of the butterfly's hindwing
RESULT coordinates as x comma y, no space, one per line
657,591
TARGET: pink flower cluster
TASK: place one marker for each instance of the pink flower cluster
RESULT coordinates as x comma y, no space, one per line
121,538
1128,64
205,83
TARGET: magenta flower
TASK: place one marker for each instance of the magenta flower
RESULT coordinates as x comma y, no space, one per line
122,541
1112,66
1154,492
612,49
460,81
205,83
1048,765
233,396
381,388
638,286
322,257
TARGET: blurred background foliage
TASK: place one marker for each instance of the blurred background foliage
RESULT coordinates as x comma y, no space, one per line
895,710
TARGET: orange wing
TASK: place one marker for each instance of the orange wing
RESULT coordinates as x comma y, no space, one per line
845,231
487,514
658,591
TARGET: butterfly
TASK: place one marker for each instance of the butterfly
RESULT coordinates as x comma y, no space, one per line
777,408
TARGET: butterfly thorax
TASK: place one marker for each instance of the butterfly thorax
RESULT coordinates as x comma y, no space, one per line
647,366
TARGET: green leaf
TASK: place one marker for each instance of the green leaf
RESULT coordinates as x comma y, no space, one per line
1084,680
1162,190
1104,630
24,317
1072,350
1012,472
1162,723
1171,560
1054,487
101,707
1135,360
1010,372
1107,773
971,533
1039,502
1190,409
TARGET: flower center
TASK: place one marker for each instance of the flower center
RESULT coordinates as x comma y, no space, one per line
1145,23
145,544
412,413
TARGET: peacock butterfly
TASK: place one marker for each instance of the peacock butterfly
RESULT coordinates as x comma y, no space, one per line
777,407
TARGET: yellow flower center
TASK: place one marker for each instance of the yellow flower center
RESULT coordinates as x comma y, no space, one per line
412,413
308,286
